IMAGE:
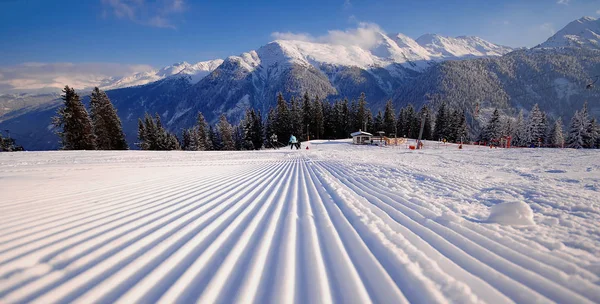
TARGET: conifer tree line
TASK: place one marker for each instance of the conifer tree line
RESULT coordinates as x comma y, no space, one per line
7,144
309,117
536,130
100,129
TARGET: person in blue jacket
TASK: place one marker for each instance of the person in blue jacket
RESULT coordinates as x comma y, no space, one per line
294,142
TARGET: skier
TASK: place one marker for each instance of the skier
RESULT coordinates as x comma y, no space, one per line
294,142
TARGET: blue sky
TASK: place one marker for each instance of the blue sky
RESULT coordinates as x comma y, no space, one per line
161,32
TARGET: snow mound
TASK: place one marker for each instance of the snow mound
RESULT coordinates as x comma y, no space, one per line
512,213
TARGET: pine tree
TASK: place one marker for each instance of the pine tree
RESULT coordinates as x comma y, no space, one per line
401,123
493,129
389,118
462,131
253,130
412,122
226,131
557,139
281,125
537,126
142,137
520,134
202,134
215,139
162,136
296,119
186,143
306,115
378,123
576,131
345,120
362,113
106,123
424,113
329,120
442,122
318,120
73,123
592,134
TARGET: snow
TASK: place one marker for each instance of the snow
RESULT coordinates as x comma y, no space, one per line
386,52
444,48
511,213
195,71
584,32
335,223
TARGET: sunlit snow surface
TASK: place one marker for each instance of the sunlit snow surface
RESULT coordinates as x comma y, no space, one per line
336,223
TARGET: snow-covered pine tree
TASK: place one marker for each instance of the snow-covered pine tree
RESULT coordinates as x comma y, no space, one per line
73,124
318,120
238,136
329,119
226,131
163,142
389,118
296,118
215,139
508,127
462,131
401,123
557,138
412,122
442,122
106,123
452,128
142,137
362,113
493,129
344,120
306,115
186,142
378,123
537,126
171,142
592,134
520,133
282,121
576,132
202,133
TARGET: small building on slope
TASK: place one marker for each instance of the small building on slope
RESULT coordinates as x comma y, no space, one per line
361,138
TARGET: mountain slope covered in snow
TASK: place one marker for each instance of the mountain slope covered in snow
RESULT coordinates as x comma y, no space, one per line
584,32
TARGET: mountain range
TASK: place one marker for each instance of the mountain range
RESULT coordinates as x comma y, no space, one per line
466,72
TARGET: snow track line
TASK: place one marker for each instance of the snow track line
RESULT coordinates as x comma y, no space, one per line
122,199
525,276
357,274
289,227
111,261
151,186
131,210
547,270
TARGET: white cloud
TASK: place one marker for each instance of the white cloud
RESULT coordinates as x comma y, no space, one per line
564,2
548,28
347,4
365,35
156,13
598,12
35,76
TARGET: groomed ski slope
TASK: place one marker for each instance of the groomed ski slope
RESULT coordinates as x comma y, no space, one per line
336,223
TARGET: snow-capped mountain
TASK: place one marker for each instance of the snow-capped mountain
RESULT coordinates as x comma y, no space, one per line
445,48
466,72
584,32
195,71
387,51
